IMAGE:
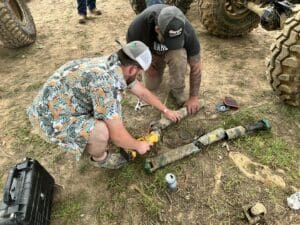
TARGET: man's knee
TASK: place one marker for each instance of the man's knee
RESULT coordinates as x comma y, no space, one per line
177,58
100,133
152,81
177,63
153,76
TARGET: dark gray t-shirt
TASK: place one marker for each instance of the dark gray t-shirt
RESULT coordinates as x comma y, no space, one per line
143,29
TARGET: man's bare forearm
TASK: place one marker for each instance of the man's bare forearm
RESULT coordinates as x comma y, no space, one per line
195,75
144,94
119,135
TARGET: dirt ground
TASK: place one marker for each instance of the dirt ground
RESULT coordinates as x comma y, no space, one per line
213,185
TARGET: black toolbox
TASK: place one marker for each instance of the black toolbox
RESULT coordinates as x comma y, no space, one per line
27,196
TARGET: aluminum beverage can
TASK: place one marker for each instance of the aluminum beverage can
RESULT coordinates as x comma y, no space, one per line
171,181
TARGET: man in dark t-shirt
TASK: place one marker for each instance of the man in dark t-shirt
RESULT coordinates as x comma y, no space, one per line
173,42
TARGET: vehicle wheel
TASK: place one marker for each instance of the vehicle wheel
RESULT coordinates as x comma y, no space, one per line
284,62
139,5
183,5
227,18
17,28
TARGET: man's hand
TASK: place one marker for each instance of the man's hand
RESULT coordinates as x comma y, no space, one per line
192,105
120,136
144,94
143,147
172,115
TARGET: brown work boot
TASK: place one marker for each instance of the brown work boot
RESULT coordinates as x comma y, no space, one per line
178,97
82,19
96,12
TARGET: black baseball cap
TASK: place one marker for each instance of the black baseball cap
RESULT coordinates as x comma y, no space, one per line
171,23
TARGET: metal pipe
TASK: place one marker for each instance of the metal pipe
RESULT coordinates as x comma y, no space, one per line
172,155
255,8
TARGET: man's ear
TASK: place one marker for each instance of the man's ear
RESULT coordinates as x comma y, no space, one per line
157,29
132,70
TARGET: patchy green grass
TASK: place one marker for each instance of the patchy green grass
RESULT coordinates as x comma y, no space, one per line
7,94
107,197
126,103
242,84
231,183
243,117
83,167
1,179
273,193
154,187
224,53
270,150
103,212
34,86
289,112
68,210
151,187
151,206
2,90
119,180
239,65
28,143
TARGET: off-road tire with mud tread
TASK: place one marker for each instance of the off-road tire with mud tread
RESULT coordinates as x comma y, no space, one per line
218,22
17,27
284,62
139,5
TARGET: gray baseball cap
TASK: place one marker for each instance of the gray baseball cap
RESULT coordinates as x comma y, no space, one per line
139,52
171,23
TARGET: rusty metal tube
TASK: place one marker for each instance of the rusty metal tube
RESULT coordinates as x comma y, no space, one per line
172,155
235,132
152,164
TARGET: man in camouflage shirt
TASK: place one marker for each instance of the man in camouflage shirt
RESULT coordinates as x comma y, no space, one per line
79,107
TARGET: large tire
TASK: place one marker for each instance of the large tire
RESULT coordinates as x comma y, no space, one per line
183,5
17,28
139,5
224,18
284,62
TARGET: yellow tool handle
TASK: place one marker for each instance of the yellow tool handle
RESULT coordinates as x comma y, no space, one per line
152,137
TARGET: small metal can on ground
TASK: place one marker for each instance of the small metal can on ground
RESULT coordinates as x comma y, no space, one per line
294,201
171,181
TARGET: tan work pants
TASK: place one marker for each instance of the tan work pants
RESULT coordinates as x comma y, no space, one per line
177,63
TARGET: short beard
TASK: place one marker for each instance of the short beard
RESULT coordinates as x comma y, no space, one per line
160,38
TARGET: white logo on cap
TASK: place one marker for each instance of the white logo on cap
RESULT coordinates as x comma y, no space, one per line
174,33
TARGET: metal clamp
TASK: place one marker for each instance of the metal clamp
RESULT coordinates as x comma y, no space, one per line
139,105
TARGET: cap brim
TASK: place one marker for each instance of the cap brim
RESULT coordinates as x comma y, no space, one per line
174,43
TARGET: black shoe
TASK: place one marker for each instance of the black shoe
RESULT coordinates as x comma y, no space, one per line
82,19
96,12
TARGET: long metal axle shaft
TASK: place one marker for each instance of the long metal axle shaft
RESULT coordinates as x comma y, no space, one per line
154,163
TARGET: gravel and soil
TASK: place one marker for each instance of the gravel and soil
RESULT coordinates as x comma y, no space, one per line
213,185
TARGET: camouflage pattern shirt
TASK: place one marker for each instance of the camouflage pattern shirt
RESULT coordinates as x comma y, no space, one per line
77,94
